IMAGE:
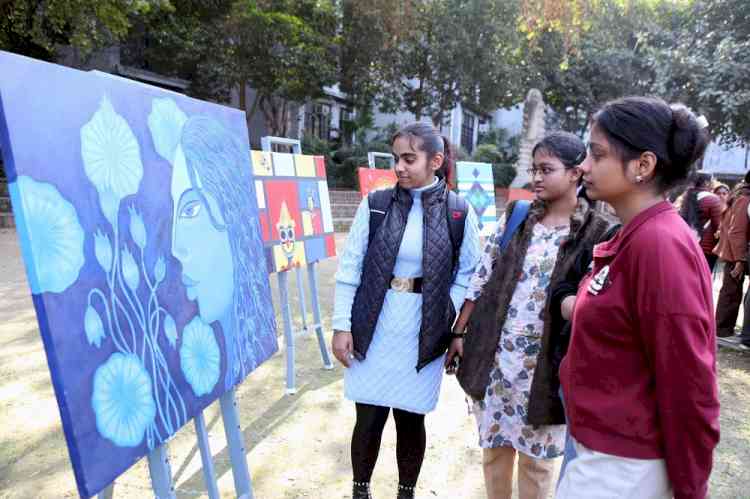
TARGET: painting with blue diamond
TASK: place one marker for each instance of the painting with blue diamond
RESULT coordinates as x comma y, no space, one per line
476,185
139,230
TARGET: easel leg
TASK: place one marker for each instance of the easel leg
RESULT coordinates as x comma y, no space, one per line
313,283
209,476
286,313
161,474
107,493
302,298
236,442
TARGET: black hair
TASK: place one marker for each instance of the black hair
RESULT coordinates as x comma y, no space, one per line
690,210
634,125
431,142
565,146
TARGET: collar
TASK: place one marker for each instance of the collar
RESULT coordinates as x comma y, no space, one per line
611,247
417,190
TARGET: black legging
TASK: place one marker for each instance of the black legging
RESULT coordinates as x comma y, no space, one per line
410,442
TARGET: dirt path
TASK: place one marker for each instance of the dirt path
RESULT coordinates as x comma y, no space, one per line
297,445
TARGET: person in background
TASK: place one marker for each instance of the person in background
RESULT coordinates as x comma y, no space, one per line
639,377
701,209
722,190
732,250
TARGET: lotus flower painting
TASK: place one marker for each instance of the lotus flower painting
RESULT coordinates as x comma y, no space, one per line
139,227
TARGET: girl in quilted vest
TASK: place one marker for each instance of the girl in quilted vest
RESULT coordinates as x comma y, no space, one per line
398,287
509,365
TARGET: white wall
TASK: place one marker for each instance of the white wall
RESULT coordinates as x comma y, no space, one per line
726,159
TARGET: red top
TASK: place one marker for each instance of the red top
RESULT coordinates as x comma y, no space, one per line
709,210
639,378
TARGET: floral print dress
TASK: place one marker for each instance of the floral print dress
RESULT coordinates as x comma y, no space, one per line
501,415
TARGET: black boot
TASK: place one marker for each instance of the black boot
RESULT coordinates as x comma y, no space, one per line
405,492
361,490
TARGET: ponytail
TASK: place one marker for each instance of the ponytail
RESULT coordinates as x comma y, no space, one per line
449,163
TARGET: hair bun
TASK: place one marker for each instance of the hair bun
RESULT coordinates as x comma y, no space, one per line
688,139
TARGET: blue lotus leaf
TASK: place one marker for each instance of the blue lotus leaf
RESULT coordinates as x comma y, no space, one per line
130,270
111,154
160,270
123,400
137,228
170,329
200,358
93,326
55,234
165,122
103,250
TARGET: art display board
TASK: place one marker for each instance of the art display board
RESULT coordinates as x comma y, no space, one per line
477,186
516,194
139,229
294,209
373,179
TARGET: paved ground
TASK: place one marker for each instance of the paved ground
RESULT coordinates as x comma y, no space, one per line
297,445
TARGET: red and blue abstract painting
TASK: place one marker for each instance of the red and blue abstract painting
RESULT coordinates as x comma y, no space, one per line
294,208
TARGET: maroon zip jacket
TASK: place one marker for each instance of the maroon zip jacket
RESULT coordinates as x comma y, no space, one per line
639,378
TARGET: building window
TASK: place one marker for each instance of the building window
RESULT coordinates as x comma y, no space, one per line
318,121
467,132
347,125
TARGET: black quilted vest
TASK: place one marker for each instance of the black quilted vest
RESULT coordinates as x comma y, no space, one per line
438,312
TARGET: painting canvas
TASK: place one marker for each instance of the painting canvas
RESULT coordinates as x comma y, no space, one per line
476,184
139,230
373,179
294,208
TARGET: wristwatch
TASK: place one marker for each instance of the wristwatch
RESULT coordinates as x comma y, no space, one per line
461,335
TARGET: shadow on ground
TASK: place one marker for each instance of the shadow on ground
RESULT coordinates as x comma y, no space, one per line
297,445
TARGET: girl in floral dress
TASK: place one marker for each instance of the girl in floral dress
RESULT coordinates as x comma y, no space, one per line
507,364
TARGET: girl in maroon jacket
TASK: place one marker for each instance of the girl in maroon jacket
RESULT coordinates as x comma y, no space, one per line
639,377
701,209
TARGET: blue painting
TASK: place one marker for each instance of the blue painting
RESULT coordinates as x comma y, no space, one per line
476,185
139,229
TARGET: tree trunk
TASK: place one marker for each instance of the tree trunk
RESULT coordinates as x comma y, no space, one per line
243,102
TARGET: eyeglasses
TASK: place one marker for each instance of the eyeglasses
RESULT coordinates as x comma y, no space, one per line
545,171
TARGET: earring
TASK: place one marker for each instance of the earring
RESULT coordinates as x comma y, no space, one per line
638,179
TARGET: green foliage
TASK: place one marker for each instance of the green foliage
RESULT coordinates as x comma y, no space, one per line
420,56
487,153
342,162
453,51
706,62
501,150
314,146
35,28
504,174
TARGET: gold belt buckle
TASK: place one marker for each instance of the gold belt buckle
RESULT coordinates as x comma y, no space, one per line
402,284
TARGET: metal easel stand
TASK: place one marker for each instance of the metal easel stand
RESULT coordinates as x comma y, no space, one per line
283,280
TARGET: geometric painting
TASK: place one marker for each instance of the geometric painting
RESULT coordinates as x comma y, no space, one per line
294,208
476,185
139,230
374,179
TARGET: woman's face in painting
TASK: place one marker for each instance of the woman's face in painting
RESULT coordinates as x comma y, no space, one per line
203,249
